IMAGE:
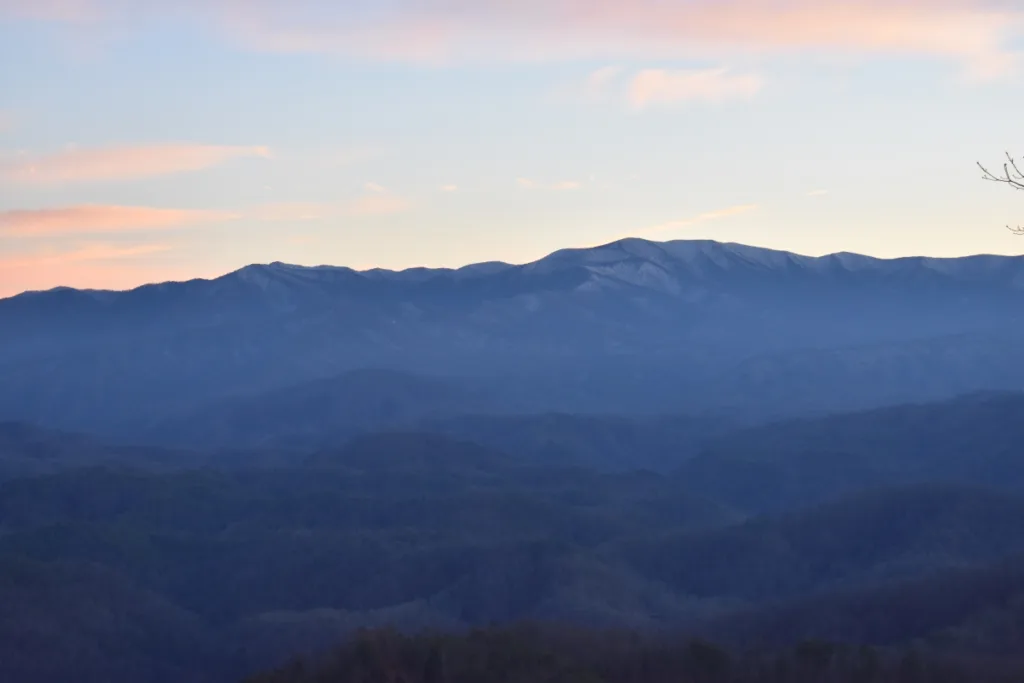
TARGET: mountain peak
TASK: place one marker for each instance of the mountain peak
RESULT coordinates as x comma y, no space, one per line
622,258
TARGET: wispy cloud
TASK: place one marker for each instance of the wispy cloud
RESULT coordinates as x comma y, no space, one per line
978,33
705,217
449,188
55,10
86,265
567,185
120,163
974,31
601,80
86,253
817,193
377,205
95,219
375,188
289,212
660,86
529,184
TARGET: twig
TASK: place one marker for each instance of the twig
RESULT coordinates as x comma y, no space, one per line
1012,175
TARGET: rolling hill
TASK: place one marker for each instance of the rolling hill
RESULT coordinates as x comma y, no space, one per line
973,439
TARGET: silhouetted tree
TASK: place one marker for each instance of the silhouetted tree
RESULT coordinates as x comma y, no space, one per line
1012,176
709,662
433,669
556,655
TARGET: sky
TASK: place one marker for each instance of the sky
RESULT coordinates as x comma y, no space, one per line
153,140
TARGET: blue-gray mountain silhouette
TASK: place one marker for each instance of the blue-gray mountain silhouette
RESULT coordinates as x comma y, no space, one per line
633,326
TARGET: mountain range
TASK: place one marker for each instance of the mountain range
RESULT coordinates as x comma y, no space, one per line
630,327
202,479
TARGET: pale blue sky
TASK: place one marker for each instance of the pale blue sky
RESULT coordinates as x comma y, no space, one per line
188,141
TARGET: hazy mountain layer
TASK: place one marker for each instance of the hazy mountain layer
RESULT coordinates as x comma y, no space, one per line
632,326
160,565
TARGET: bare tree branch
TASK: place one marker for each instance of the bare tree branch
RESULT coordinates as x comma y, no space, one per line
1013,164
1012,176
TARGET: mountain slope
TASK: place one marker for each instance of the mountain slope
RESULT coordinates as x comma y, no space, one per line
974,439
322,411
853,542
977,610
27,450
632,325
605,442
64,621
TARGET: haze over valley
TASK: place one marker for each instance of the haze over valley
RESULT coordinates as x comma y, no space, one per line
549,341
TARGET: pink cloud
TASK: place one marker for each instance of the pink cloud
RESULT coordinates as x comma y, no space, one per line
51,10
120,163
377,205
978,33
705,217
94,219
100,266
92,252
567,185
975,32
600,80
658,86
290,212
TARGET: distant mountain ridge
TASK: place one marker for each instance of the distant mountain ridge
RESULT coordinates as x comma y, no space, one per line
633,326
628,260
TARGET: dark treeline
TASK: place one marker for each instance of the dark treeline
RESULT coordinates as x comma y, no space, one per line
541,654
